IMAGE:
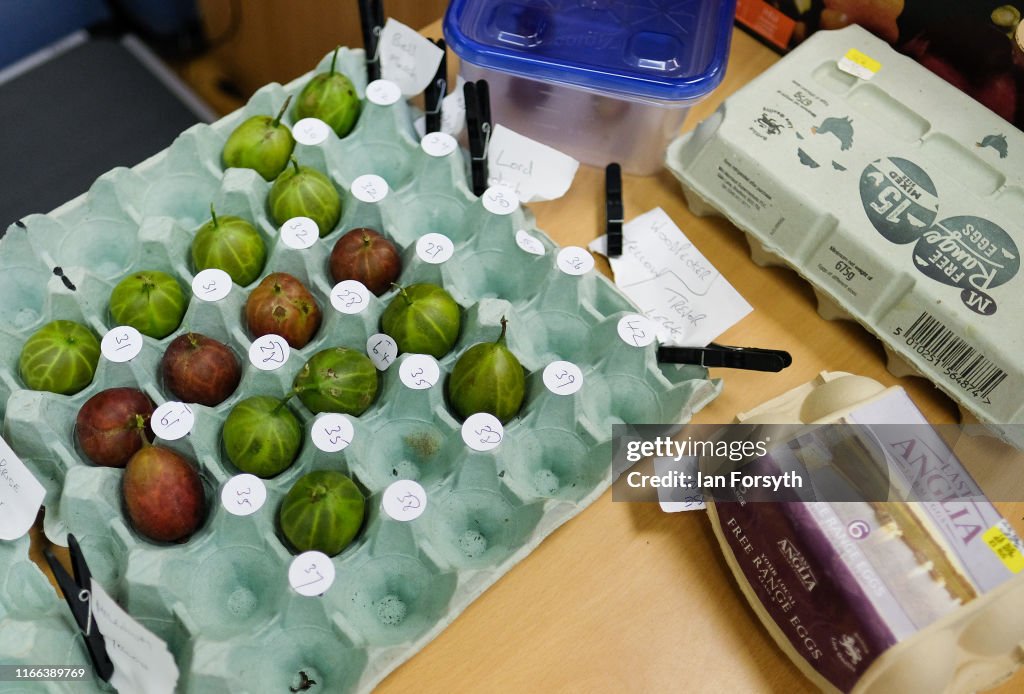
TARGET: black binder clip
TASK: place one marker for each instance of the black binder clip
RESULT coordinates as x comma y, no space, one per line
435,92
722,356
613,209
77,594
478,126
371,20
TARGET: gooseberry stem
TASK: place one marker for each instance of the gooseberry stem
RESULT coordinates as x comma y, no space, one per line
295,163
334,59
504,325
401,290
140,424
280,114
284,401
213,216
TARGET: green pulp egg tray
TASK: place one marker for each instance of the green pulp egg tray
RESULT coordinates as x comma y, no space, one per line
222,600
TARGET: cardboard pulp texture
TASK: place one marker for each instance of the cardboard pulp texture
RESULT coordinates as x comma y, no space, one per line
222,600
897,197
830,581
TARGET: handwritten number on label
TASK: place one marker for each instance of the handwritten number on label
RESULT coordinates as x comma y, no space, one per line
210,287
499,199
310,569
566,378
349,297
335,435
243,492
638,333
487,435
409,501
123,339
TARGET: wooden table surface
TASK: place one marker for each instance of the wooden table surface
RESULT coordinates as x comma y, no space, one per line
626,598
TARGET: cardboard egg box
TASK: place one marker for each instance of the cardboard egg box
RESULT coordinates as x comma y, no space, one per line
895,195
222,600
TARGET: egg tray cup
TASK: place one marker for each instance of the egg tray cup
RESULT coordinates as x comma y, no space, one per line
222,600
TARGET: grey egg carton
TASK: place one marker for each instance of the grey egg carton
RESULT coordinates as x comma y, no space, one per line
222,600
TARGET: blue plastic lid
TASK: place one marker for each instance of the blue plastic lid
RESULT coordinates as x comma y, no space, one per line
669,50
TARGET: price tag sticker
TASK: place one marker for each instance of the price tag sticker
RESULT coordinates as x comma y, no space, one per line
383,92
404,500
21,495
311,574
530,244
243,495
1006,544
434,248
350,296
438,144
482,431
859,64
636,330
369,188
419,371
121,344
563,377
332,432
310,131
211,284
500,200
172,420
269,352
573,260
299,233
382,350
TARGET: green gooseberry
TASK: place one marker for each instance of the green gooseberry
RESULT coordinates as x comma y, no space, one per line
60,357
262,436
230,244
488,378
150,301
337,379
323,511
305,192
422,319
261,143
331,97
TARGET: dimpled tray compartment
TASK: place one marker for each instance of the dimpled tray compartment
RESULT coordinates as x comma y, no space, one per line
221,600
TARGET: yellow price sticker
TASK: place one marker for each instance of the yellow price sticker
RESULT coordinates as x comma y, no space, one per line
859,64
1007,546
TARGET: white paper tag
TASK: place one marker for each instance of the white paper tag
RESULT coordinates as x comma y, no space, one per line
438,144
500,200
142,662
563,377
269,352
21,495
673,283
350,296
534,170
382,350
407,58
299,233
636,330
530,244
172,420
369,188
434,248
243,495
121,344
677,499
311,574
573,260
211,284
419,371
310,131
404,500
332,432
383,92
482,431
453,113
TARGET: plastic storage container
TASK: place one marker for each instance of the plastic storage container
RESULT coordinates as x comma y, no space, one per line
600,80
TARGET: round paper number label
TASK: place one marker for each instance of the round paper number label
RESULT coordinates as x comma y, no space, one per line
211,284
382,350
419,371
311,574
636,330
350,296
121,344
310,131
383,92
482,431
332,432
172,420
529,243
434,248
369,188
563,377
269,352
405,500
438,144
573,260
299,233
500,200
243,495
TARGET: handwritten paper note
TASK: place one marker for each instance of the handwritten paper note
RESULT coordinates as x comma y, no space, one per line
534,170
407,58
21,495
672,282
